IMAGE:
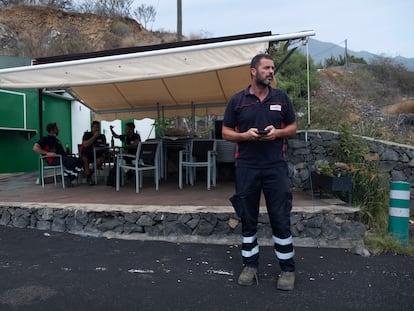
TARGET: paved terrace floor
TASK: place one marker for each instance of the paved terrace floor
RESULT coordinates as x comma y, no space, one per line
22,188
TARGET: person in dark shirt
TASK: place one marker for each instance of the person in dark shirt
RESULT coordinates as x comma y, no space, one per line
259,119
130,139
50,145
90,140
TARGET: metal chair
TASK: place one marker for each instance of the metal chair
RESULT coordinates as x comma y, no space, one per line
202,153
146,158
225,151
225,159
105,151
44,166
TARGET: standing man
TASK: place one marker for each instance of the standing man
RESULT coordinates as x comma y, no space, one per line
92,139
259,119
50,145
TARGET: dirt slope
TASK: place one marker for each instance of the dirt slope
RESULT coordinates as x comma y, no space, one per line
43,31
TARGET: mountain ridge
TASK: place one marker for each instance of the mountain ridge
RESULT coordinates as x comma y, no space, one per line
319,51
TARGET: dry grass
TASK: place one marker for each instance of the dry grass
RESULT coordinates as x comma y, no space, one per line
383,243
404,106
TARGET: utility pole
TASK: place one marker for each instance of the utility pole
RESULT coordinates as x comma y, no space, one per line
179,21
346,53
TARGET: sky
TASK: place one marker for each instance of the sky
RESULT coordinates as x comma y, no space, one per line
378,26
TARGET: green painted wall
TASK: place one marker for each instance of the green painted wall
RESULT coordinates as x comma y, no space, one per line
58,110
15,146
16,154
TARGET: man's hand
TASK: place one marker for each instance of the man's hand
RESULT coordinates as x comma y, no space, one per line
252,134
271,133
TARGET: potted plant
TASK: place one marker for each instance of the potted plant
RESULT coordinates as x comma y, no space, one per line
336,175
332,177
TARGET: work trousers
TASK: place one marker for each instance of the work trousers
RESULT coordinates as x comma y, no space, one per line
72,165
274,183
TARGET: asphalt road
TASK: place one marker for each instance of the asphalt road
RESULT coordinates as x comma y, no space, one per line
41,270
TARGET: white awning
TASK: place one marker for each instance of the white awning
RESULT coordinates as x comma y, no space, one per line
181,81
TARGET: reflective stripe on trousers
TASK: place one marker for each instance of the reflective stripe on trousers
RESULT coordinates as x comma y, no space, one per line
275,186
250,251
283,248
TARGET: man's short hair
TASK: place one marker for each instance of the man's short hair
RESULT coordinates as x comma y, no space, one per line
130,124
95,122
255,60
50,127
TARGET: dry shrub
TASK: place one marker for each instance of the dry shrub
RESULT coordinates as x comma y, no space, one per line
405,106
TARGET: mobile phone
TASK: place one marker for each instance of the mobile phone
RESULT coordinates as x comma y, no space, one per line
264,132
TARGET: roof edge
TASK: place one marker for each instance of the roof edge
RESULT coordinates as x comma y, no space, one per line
135,49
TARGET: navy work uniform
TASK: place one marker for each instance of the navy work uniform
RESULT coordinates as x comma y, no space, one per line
261,166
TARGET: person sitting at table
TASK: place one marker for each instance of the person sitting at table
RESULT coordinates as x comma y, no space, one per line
130,139
90,140
50,145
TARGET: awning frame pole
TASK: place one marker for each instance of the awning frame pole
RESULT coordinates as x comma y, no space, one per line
270,39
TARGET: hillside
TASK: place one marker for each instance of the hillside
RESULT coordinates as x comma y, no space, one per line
376,108
357,98
40,31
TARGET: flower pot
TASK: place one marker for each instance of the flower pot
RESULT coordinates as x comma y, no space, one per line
332,184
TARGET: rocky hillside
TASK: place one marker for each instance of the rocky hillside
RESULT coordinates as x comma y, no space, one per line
39,31
374,108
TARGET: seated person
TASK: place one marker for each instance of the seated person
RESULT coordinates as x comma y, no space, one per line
50,145
130,139
92,139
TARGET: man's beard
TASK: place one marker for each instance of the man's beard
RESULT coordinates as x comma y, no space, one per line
265,82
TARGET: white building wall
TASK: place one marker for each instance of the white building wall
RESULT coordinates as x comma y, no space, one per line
81,122
145,128
142,127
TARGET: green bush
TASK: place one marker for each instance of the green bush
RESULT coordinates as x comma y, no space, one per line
349,148
370,188
371,193
120,29
292,77
71,43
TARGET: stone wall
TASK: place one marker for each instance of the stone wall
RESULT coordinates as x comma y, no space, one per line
396,160
332,227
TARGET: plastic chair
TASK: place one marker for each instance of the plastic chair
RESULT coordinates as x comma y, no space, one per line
202,153
44,166
225,151
147,158
225,159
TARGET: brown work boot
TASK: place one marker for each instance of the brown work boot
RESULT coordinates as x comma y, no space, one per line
248,276
286,281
